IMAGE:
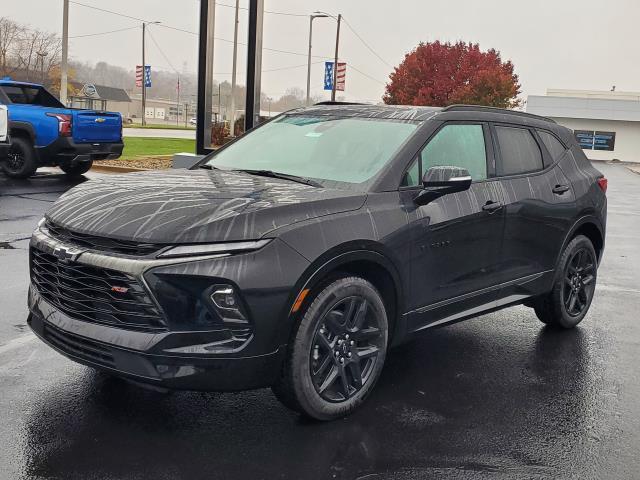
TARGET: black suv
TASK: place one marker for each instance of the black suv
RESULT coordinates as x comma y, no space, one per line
297,255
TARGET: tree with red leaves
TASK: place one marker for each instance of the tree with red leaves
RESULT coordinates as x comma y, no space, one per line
440,74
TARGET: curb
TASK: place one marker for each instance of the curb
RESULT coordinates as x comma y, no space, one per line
114,169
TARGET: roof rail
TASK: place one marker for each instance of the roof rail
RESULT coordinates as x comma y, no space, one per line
483,108
328,102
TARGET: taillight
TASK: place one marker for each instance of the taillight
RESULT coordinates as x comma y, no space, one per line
603,183
64,123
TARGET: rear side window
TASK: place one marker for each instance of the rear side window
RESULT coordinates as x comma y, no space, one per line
519,151
555,148
31,96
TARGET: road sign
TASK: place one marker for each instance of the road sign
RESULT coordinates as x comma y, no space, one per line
341,77
147,76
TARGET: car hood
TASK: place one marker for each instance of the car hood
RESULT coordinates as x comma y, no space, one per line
193,206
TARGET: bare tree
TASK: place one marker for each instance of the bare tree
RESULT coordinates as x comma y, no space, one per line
10,37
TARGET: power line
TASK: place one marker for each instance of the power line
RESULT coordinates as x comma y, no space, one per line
104,33
366,44
161,52
366,74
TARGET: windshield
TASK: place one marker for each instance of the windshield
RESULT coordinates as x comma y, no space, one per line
335,149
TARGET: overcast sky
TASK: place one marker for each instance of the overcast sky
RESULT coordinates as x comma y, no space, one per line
583,44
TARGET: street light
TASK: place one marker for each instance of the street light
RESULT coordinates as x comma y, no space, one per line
311,18
41,55
338,20
144,71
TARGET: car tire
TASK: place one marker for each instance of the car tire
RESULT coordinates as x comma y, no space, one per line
77,169
337,352
573,288
21,161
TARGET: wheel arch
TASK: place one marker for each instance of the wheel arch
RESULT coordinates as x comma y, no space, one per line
590,227
22,129
366,260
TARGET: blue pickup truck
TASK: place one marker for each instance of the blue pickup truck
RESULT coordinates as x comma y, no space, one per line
44,132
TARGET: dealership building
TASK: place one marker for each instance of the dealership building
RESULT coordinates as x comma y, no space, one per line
606,124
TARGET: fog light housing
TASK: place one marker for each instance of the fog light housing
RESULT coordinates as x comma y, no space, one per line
227,304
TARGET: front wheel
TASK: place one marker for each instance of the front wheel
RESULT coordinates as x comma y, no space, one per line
338,351
574,286
77,169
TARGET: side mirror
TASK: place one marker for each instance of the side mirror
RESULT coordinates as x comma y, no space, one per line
439,181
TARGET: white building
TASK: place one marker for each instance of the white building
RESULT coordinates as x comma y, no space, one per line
606,124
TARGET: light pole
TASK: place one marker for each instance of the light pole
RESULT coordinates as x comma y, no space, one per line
144,74
233,74
311,18
65,53
335,62
41,55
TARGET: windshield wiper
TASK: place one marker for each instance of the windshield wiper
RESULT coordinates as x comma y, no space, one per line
206,166
284,176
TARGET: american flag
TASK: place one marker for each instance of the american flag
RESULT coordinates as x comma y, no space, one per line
341,76
139,76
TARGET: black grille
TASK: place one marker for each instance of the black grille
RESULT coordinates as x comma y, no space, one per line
80,347
86,293
102,244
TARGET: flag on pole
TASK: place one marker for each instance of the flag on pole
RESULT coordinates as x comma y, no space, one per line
340,77
147,76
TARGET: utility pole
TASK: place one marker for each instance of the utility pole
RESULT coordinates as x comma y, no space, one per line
65,53
311,18
178,103
144,80
335,62
233,73
254,63
144,74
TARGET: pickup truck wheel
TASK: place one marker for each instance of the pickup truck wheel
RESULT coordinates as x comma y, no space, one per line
77,169
21,161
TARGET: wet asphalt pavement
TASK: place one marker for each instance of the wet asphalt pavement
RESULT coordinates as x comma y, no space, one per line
495,397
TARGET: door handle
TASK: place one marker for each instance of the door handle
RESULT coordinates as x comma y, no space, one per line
491,206
560,189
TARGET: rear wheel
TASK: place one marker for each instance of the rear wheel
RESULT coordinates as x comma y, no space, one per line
21,161
77,169
574,286
338,351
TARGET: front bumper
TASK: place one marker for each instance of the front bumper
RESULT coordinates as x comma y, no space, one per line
64,150
180,358
134,356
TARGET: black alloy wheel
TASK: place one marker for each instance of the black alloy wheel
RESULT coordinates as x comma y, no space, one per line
337,349
345,349
573,288
21,159
579,282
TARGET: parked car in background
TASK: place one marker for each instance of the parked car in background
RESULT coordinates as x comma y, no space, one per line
295,256
4,131
193,121
46,133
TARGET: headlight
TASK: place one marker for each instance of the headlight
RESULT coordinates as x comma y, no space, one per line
213,248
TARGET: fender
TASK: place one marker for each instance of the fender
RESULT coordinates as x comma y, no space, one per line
18,126
577,224
331,262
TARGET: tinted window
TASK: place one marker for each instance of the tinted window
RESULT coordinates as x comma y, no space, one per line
336,149
457,146
31,96
555,148
412,177
519,151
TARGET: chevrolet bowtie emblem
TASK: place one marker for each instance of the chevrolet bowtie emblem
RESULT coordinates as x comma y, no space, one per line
100,120
66,254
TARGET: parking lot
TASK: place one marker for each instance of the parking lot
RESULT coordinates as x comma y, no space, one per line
498,396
